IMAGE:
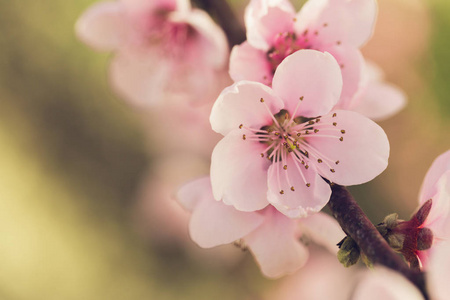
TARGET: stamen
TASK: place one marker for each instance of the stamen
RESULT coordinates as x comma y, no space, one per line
342,131
240,126
341,138
243,137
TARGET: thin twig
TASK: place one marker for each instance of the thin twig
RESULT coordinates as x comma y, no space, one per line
356,224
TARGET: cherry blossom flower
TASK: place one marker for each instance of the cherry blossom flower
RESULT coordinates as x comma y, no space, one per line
162,48
273,238
376,99
279,142
275,31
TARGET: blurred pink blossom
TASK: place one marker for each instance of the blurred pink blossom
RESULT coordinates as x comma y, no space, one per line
275,31
162,48
376,99
279,142
273,239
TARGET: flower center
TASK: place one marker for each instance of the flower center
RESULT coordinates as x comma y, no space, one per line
290,137
284,45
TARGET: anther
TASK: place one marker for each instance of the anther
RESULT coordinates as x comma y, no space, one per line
299,134
325,24
317,120
342,66
338,42
307,132
262,154
301,98
337,162
244,137
306,167
281,192
311,122
334,115
316,130
292,189
308,184
334,124
240,126
303,162
320,161
341,138
294,19
261,100
305,32
332,170
342,131
316,32
285,167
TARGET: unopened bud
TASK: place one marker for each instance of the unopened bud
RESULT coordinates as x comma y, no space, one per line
424,239
348,253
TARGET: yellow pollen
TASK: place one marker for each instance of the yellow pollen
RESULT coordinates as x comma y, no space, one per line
307,132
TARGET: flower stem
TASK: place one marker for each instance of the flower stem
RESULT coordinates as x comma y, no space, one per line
223,13
356,224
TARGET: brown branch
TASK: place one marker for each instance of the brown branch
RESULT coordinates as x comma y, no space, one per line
225,16
356,224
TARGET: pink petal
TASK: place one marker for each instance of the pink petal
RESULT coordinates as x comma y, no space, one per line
440,165
211,42
387,285
249,63
239,173
349,22
439,218
361,155
140,79
323,230
193,192
303,200
264,19
213,223
241,104
310,74
276,247
439,272
103,26
351,63
380,101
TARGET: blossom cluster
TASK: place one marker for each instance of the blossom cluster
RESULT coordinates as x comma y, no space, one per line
298,117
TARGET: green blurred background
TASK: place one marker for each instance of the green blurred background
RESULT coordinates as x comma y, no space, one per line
72,158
